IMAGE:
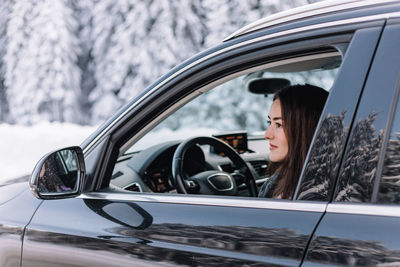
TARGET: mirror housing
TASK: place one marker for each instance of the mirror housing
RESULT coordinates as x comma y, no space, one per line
59,174
266,86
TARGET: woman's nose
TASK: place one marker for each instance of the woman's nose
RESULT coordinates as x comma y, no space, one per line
268,133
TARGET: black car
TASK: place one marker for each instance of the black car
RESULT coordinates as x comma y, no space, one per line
172,178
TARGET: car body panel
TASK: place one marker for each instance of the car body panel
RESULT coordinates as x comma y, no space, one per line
10,190
189,234
346,238
15,215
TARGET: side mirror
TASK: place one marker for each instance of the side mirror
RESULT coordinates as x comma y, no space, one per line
59,174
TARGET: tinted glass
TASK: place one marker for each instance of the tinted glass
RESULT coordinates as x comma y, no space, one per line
325,157
359,169
389,188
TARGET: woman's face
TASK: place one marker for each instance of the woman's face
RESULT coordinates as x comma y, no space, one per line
275,134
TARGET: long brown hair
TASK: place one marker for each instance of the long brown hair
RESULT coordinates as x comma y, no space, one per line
301,107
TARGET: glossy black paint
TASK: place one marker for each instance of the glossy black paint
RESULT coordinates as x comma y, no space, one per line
15,214
355,240
175,234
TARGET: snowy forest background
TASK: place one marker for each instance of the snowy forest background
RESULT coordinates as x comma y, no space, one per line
67,65
80,60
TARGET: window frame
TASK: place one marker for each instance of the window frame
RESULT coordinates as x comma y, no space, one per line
234,61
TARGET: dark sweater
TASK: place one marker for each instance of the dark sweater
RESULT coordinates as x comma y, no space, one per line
267,189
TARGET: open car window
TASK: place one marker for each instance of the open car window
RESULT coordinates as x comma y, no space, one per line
234,110
231,106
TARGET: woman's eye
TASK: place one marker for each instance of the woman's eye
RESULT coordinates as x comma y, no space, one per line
269,123
278,125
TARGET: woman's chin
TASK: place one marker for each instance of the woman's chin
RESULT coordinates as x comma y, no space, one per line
275,159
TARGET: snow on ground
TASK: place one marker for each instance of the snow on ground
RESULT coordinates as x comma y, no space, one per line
21,147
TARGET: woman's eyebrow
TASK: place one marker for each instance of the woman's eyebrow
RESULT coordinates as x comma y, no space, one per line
275,118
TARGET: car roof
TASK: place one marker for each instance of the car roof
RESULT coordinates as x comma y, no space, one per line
306,11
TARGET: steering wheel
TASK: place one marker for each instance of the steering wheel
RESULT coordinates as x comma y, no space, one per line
213,181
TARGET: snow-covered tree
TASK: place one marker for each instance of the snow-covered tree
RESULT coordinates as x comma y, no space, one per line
5,9
42,74
80,60
324,159
226,16
138,41
83,12
359,167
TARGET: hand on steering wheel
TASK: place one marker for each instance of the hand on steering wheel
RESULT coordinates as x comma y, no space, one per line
214,181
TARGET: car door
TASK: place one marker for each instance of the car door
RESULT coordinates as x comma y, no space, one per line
361,224
105,226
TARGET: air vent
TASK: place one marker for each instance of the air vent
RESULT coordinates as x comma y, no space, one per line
135,187
260,166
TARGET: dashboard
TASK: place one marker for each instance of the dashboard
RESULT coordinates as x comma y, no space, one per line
237,140
150,170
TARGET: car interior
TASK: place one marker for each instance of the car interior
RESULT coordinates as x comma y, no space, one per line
177,152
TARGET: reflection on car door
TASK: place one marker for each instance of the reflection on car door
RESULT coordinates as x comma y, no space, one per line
108,228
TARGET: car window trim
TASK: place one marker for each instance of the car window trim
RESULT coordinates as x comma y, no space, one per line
202,200
363,209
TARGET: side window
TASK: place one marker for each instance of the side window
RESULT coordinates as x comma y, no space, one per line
235,111
362,164
389,187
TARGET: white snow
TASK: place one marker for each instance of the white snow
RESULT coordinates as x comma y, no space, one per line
21,147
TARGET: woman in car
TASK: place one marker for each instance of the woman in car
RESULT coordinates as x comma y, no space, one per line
292,120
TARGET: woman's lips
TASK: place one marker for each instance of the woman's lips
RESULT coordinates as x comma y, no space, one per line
272,147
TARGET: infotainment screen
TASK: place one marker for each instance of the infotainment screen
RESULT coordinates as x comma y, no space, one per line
237,140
